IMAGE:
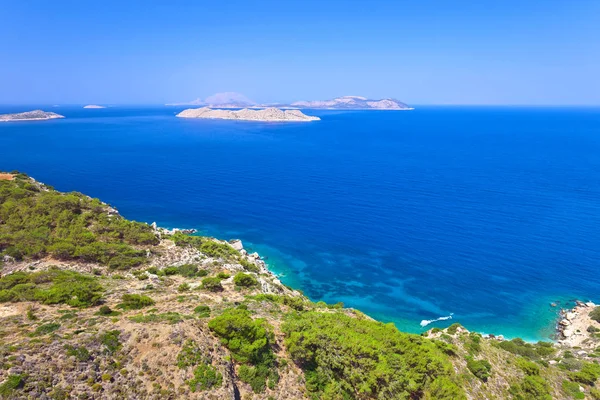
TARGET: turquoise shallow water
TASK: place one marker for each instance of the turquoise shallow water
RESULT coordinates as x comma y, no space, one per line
487,213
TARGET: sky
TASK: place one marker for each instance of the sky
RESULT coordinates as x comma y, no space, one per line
514,52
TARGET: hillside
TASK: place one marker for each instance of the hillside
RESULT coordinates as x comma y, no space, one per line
95,306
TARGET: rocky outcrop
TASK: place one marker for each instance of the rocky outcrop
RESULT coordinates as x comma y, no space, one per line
266,115
576,328
35,115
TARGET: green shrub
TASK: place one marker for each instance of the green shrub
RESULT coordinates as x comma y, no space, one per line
51,287
184,287
135,302
106,311
80,353
480,368
217,250
190,355
202,311
528,350
249,266
249,342
595,393
46,329
212,284
344,356
110,341
452,329
223,275
589,374
168,317
572,390
532,387
243,280
530,368
206,377
595,314
12,383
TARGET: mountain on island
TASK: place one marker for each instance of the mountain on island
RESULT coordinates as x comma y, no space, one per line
353,103
221,100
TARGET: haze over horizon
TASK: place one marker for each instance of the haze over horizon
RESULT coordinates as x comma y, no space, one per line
435,53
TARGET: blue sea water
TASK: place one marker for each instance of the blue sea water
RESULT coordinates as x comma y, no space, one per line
487,213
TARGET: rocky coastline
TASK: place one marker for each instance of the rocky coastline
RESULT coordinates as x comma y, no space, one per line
265,115
576,328
35,115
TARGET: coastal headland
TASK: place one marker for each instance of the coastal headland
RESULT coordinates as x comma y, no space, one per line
93,305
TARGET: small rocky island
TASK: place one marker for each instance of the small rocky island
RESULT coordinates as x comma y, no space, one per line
267,115
36,115
93,106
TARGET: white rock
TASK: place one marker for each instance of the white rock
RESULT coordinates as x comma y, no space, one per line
237,244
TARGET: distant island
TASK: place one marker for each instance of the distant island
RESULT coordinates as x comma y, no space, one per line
353,103
35,115
220,100
238,100
266,115
93,106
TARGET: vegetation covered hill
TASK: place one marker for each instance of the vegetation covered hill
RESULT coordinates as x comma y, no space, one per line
95,306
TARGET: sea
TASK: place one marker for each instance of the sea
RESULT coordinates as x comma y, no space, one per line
490,215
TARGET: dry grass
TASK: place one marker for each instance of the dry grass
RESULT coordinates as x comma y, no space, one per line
6,177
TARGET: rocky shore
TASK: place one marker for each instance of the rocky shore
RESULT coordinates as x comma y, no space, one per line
266,115
35,115
576,328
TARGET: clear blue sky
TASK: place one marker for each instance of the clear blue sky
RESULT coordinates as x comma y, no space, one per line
419,51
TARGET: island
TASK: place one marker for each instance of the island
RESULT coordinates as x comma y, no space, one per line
99,306
93,106
35,115
265,115
238,100
353,103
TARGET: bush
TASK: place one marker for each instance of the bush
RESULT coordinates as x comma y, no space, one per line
249,266
532,387
452,329
217,250
46,329
212,284
135,302
110,341
342,355
206,377
80,353
572,390
168,317
243,280
480,368
106,311
532,351
67,226
202,311
249,342
184,287
595,314
589,374
51,287
12,383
